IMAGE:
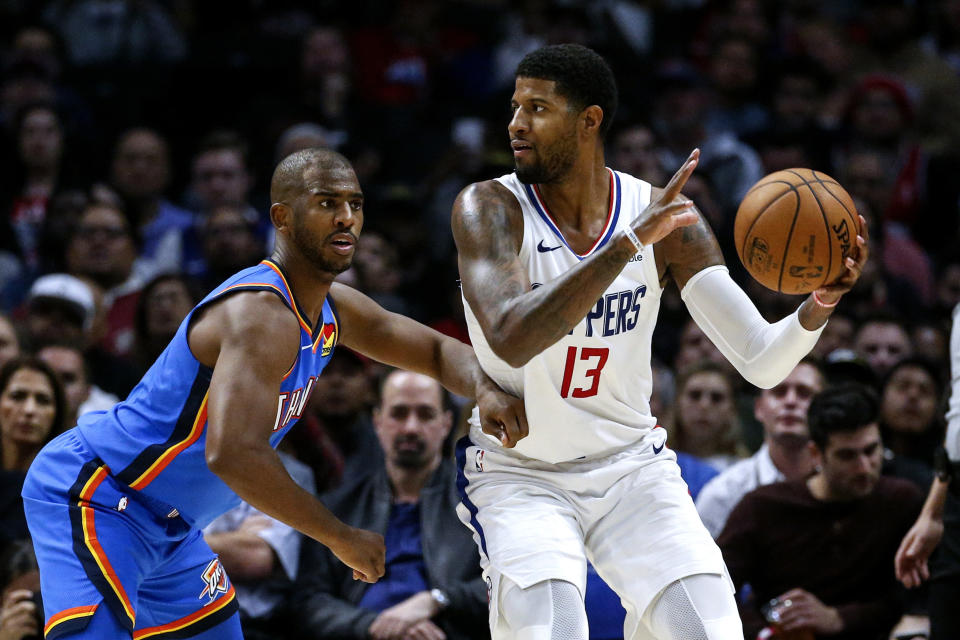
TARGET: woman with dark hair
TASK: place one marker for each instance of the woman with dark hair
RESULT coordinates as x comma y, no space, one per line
32,410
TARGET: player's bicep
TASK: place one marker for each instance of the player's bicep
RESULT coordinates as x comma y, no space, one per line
488,229
258,344
688,250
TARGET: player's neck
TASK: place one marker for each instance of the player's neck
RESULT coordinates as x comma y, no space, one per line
795,463
582,196
309,285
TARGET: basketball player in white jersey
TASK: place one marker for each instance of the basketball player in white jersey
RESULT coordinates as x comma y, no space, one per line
563,263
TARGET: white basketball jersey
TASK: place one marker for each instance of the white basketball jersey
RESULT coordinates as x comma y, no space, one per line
588,393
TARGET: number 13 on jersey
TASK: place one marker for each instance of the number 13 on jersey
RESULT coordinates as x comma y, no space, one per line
585,363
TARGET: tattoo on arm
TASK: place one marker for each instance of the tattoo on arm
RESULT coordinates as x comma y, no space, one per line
689,250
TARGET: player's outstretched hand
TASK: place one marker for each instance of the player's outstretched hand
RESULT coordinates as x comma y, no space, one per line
910,563
501,415
670,209
854,267
363,551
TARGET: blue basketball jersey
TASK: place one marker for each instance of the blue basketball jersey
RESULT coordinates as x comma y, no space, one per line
155,440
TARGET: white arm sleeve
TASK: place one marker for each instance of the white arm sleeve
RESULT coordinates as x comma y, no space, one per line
763,353
952,443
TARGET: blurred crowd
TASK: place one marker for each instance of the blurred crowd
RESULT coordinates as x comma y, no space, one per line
137,139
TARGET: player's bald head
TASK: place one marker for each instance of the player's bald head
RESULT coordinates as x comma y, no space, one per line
289,177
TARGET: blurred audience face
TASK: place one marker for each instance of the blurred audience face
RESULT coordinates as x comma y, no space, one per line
866,176
796,101
376,261
733,67
694,347
878,117
782,410
410,420
49,321
102,246
931,342
882,344
705,409
324,52
27,410
220,178
909,400
850,463
141,166
69,366
948,286
229,242
41,139
167,304
634,152
837,334
344,389
9,342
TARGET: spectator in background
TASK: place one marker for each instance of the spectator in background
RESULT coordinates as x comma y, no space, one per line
910,410
21,616
221,173
823,547
32,413
735,75
9,341
784,456
117,33
882,341
260,554
103,249
705,423
680,110
229,241
163,304
62,309
140,172
37,175
635,152
432,587
838,334
336,438
80,395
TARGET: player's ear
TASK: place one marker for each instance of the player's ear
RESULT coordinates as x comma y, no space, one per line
591,117
281,215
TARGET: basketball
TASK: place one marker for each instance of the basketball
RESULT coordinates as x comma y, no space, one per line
794,229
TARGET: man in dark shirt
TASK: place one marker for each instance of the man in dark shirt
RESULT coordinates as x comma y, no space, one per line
824,546
432,588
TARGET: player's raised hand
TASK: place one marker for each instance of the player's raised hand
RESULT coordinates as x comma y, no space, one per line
670,209
363,551
501,415
854,267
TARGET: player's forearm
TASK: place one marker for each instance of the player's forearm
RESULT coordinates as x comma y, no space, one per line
258,476
530,322
245,555
936,499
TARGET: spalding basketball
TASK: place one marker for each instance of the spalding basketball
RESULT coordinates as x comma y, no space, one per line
794,230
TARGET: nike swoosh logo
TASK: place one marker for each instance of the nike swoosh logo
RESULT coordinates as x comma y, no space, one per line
305,348
657,449
543,249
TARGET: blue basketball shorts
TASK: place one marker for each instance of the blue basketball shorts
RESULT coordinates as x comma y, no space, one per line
101,544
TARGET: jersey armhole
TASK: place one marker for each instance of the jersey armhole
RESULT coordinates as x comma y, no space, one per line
205,305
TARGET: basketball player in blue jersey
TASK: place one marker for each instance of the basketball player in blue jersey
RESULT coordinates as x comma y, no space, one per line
116,505
563,263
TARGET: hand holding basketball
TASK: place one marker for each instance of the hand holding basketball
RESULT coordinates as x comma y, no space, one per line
798,231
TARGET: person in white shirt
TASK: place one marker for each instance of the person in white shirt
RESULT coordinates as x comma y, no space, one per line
784,455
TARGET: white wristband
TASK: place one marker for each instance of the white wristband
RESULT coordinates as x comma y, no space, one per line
627,231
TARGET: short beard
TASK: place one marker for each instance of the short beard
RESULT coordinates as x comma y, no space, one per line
554,165
314,252
415,458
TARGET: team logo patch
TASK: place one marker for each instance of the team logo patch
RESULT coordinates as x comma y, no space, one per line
328,338
214,579
478,461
